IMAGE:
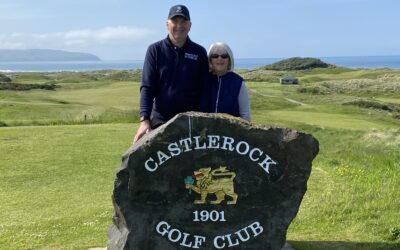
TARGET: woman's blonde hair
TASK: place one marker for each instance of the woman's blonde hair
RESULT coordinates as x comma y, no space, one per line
224,48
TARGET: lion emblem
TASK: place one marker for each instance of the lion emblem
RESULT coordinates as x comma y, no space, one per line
218,182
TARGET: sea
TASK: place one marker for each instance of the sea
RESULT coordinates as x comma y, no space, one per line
369,62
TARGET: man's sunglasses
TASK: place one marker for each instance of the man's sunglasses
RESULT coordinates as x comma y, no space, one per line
215,56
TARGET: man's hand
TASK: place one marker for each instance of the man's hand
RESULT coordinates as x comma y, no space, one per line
143,129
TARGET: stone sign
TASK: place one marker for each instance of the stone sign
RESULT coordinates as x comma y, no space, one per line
210,181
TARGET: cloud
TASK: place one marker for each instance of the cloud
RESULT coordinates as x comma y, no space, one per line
118,35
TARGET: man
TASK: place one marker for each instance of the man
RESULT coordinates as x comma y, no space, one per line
174,73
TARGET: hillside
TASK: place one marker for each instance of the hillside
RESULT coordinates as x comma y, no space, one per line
298,63
30,55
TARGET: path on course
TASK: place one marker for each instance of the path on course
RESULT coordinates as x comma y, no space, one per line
285,98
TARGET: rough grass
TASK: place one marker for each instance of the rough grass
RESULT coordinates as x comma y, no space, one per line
351,192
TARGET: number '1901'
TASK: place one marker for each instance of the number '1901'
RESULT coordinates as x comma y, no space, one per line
205,215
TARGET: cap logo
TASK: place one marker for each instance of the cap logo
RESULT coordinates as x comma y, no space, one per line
179,10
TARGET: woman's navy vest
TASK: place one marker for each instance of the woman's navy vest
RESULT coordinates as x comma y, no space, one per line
224,93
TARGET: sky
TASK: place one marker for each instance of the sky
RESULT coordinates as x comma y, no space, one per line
123,29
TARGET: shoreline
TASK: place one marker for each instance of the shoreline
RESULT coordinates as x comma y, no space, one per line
352,62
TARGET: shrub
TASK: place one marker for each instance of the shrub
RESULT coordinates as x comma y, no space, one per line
19,86
370,104
4,78
312,90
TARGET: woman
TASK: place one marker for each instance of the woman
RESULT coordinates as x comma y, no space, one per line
228,90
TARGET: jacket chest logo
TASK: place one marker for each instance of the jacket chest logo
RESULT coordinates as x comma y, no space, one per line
191,56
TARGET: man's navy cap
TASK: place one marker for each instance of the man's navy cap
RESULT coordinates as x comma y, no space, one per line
179,10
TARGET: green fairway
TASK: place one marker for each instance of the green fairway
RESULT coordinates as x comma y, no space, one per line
60,150
341,121
103,101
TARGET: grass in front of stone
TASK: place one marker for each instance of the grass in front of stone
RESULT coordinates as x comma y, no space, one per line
56,184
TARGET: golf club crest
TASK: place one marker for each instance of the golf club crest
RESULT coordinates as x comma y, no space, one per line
208,183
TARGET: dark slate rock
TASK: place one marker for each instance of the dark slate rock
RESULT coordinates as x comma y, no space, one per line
210,181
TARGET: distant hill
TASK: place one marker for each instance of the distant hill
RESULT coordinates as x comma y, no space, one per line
24,55
298,63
